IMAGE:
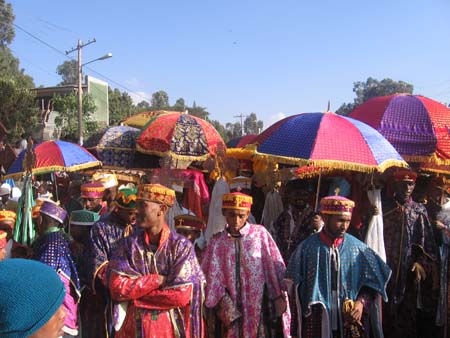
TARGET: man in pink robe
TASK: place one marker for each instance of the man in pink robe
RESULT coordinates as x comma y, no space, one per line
244,272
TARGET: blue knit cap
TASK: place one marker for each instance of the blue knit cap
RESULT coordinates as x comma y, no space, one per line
30,294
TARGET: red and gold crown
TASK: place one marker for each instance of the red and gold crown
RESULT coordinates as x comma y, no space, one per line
92,190
189,222
405,175
7,215
156,193
237,200
336,205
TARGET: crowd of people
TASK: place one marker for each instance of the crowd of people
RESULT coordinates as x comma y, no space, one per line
126,260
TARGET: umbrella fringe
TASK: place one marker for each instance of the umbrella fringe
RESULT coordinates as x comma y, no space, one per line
240,153
333,164
38,171
432,159
172,154
112,148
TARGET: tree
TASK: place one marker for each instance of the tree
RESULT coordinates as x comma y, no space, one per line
143,106
69,72
18,111
198,111
179,105
252,125
220,129
6,23
233,130
120,105
373,88
160,100
67,119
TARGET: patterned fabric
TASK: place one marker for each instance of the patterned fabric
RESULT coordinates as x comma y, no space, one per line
114,146
408,238
92,190
336,205
7,215
53,249
242,268
54,211
414,124
358,266
55,156
316,138
237,200
286,240
179,135
83,217
174,258
156,193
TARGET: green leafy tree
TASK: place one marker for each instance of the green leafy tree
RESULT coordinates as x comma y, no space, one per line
120,106
233,130
252,125
220,129
6,23
69,72
373,88
67,119
143,106
198,111
18,111
179,105
160,100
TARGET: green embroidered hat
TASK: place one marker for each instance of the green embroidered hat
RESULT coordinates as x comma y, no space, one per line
83,217
126,198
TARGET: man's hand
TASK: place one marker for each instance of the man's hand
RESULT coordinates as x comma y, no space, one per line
357,312
419,271
374,211
161,280
280,306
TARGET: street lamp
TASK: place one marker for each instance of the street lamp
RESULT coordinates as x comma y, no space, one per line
80,90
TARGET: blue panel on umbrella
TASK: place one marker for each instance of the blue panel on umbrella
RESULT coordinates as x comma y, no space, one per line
286,141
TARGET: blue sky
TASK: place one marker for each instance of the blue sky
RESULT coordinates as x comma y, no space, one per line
275,58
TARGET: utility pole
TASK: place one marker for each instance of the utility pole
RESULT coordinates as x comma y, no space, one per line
79,46
242,122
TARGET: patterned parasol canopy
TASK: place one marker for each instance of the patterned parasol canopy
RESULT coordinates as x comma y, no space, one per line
327,140
141,119
179,136
416,126
114,146
54,156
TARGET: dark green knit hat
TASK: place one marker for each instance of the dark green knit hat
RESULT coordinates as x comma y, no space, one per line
126,198
30,294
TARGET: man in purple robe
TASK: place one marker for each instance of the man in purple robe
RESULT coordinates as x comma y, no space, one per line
154,276
410,253
244,272
103,238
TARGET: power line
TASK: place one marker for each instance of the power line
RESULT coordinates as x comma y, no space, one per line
70,58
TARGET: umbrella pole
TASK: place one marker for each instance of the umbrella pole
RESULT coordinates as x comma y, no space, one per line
55,185
316,207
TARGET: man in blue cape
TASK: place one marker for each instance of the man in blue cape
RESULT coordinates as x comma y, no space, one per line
336,277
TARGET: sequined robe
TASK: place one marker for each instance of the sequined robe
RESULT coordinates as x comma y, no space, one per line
52,249
246,271
310,269
408,238
286,240
174,310
103,239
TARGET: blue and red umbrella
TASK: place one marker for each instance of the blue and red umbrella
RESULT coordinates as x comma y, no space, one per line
327,140
54,156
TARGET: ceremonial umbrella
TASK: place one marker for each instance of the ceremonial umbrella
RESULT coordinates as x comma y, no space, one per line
141,119
52,156
114,146
327,140
179,136
242,141
416,126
